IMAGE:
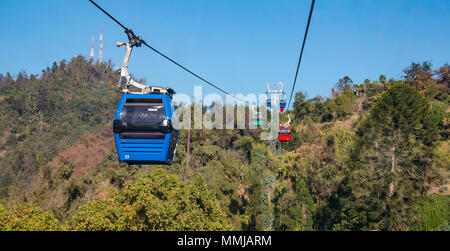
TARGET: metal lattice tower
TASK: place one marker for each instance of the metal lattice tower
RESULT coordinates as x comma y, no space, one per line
277,91
100,55
92,51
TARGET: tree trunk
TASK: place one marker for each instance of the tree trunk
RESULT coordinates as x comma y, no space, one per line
40,121
188,152
391,185
304,216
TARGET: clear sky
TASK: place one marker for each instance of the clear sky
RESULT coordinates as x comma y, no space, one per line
240,45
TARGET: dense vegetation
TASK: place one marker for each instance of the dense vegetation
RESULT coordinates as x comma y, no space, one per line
373,156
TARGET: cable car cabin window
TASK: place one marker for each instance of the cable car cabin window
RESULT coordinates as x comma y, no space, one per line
141,119
140,113
285,131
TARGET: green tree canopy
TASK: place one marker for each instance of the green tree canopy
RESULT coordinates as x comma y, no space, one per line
158,201
390,161
27,217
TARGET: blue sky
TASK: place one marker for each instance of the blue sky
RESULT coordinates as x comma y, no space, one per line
240,45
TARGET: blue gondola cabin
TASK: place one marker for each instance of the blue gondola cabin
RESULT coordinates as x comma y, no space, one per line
143,129
269,103
282,105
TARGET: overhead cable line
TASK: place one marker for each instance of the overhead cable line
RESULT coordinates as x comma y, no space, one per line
301,53
130,32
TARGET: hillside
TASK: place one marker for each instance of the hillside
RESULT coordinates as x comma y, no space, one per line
57,154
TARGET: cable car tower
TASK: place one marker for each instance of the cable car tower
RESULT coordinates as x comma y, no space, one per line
276,90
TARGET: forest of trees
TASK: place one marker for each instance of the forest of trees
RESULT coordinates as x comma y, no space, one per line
372,156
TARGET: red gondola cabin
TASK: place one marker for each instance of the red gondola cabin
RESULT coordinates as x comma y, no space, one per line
284,133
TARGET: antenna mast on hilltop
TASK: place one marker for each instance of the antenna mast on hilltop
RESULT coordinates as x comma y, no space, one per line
92,51
100,55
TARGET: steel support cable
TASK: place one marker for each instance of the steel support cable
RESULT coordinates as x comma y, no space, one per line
301,53
163,55
104,11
